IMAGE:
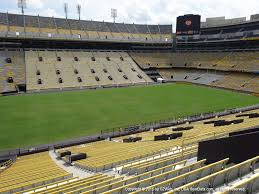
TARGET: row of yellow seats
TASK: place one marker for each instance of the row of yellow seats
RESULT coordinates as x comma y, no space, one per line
217,129
163,162
144,164
64,188
49,185
179,180
173,151
250,184
121,187
133,151
220,178
29,170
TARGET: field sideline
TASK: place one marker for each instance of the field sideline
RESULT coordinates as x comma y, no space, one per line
44,118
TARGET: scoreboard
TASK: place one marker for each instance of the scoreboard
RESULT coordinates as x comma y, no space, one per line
188,25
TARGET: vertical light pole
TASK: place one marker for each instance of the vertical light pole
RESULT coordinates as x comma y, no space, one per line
78,7
22,5
66,9
114,14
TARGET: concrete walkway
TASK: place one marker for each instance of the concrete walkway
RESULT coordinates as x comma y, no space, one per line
77,172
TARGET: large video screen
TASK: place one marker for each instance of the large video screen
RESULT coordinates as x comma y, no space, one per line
188,25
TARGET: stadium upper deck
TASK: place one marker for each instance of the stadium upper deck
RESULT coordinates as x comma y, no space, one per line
19,26
223,34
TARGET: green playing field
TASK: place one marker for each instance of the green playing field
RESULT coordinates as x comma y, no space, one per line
44,118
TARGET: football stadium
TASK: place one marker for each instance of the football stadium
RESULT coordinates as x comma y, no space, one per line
90,106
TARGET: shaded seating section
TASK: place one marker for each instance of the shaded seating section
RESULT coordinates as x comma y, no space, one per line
190,75
234,80
47,26
3,24
148,60
30,171
67,69
252,84
177,177
119,31
250,184
32,25
224,61
217,179
239,81
16,23
143,31
77,28
60,28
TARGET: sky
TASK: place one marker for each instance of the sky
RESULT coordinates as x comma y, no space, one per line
137,11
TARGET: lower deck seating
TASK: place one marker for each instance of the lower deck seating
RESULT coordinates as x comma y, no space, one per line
105,155
67,69
31,170
226,61
157,60
237,81
194,76
178,178
12,70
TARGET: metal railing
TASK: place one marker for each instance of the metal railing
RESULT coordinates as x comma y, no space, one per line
123,130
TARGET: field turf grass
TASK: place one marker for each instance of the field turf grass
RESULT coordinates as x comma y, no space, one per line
46,118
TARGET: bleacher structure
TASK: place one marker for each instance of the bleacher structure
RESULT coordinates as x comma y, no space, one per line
62,69
40,70
102,159
232,70
67,69
12,70
224,61
30,171
14,25
146,166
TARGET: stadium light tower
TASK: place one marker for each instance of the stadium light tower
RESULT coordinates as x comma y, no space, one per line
66,9
114,14
22,5
78,7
